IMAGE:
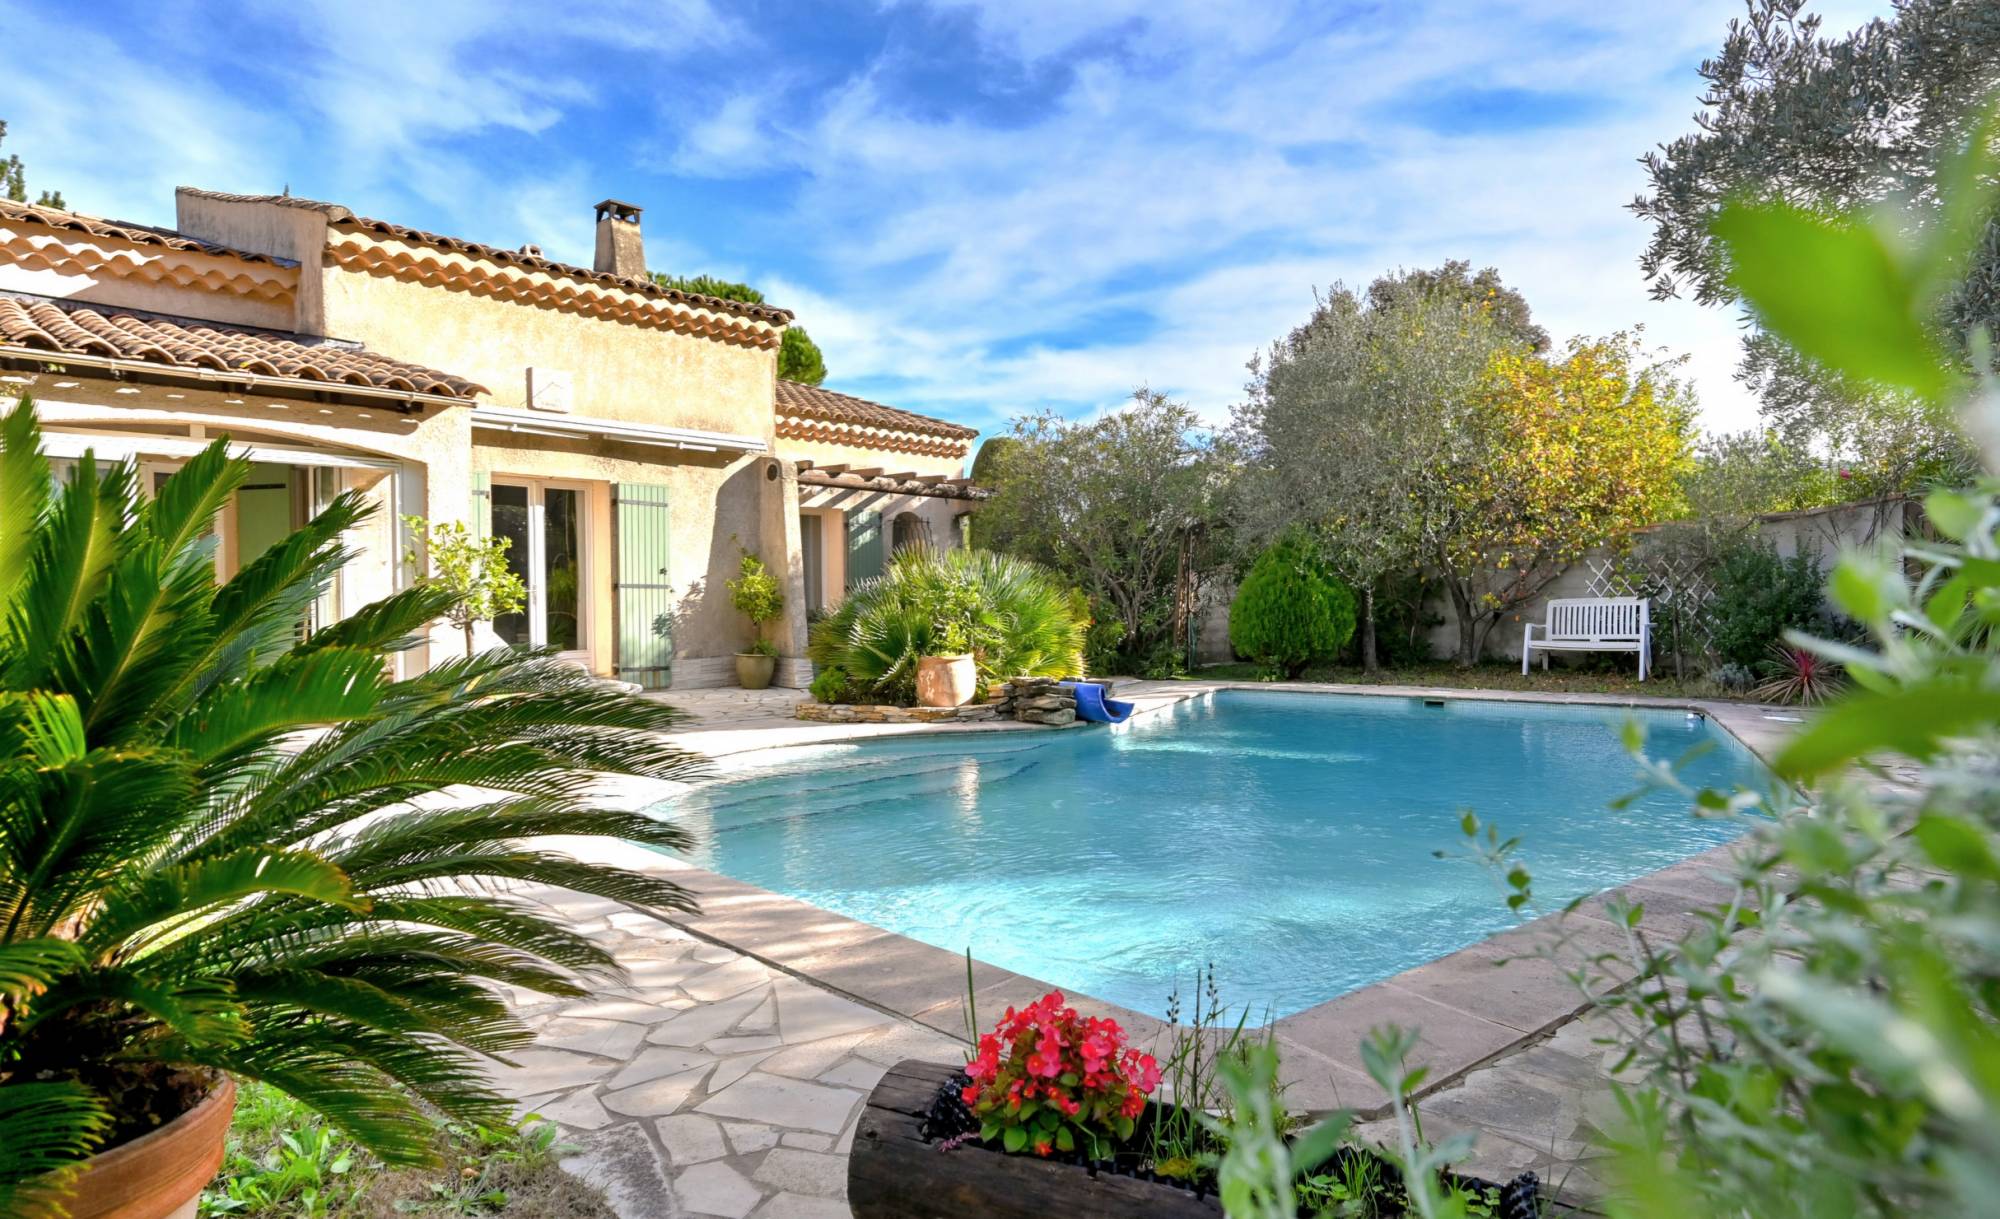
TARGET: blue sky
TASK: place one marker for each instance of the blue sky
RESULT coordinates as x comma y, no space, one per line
977,207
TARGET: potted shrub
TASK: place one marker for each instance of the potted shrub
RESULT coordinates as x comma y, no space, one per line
948,676
1007,616
219,852
755,593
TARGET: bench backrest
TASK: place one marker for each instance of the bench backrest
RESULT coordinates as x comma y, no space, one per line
1596,618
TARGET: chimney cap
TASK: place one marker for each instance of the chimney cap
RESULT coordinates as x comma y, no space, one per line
628,212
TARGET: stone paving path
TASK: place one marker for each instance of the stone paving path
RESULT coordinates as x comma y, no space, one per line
1534,1109
709,1084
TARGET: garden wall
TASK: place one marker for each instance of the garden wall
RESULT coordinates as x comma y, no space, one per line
1600,574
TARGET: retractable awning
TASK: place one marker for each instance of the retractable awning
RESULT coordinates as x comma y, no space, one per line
582,427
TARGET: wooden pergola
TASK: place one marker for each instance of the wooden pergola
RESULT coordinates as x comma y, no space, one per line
883,480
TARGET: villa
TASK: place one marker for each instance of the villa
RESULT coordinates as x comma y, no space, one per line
630,439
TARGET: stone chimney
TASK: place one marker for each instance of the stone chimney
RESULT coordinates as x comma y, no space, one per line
619,249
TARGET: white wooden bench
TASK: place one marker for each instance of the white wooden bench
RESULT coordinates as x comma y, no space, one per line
1591,624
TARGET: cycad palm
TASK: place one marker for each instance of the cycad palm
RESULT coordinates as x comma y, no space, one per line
187,886
1014,615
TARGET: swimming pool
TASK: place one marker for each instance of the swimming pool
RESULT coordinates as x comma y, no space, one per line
1287,837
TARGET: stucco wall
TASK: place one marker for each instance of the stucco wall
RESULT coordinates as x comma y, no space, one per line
1825,531
719,507
295,233
618,370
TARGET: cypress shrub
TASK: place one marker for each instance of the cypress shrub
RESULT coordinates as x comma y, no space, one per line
1290,611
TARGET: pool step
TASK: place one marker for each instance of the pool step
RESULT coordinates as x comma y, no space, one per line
865,792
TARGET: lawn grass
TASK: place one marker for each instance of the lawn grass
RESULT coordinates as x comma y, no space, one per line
1570,679
284,1159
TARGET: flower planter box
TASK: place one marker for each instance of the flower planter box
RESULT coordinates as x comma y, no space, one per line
896,1171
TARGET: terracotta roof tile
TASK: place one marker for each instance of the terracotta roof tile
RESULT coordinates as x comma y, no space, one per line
75,329
341,217
802,401
119,230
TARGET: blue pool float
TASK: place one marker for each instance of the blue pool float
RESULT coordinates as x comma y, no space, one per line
1093,706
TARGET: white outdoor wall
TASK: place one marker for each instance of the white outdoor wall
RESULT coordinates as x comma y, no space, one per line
1827,530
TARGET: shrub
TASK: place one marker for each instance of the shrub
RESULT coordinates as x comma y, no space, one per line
830,686
1048,1078
1291,612
1759,596
1012,615
1733,678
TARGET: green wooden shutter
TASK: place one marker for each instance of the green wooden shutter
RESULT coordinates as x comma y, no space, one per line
644,587
481,523
864,546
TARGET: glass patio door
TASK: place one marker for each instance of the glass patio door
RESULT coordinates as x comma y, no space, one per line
543,523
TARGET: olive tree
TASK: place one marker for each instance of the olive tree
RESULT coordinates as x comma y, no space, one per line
1354,426
1128,506
1794,115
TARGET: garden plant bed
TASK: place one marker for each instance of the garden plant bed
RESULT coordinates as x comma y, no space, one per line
917,1155
886,713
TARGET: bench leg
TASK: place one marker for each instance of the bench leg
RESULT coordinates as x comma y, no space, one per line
1528,649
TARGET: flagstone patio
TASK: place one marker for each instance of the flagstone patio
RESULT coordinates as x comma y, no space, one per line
709,1084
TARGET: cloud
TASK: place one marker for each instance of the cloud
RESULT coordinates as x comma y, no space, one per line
977,207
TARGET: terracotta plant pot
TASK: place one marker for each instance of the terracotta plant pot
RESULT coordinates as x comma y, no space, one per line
158,1175
754,670
946,681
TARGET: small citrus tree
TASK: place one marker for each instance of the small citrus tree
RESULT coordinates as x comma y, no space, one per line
475,572
1291,612
756,595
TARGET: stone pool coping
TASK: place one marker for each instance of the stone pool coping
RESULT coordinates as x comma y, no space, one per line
1468,1011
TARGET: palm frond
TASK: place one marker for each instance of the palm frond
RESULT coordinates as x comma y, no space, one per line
137,642
24,494
298,690
538,867
189,879
385,953
162,902
353,1095
79,540
44,1129
419,837
185,504
96,818
29,967
393,624
202,1011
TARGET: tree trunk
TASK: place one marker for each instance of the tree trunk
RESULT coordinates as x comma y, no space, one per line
1369,663
1468,625
468,639
1487,621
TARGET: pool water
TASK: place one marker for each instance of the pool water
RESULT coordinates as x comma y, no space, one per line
1288,838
